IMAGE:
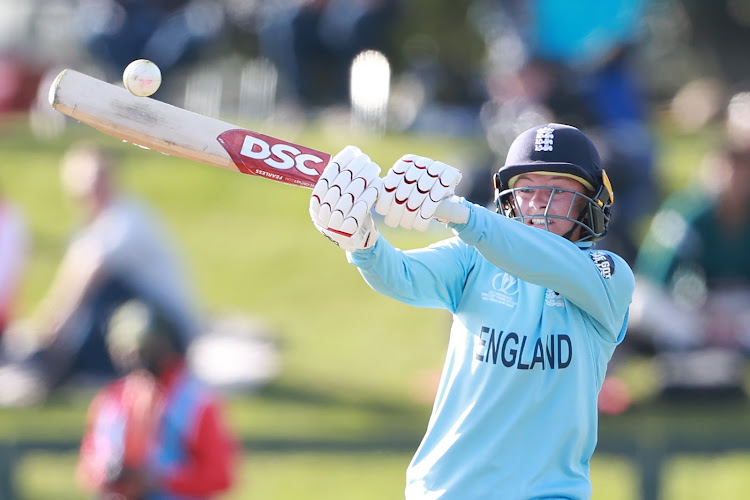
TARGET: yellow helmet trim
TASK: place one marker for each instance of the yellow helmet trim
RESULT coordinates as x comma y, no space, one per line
608,187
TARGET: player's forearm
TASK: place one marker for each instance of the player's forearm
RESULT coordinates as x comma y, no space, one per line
71,284
57,308
416,277
531,254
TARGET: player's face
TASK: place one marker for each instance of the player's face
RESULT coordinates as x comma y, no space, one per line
541,204
83,178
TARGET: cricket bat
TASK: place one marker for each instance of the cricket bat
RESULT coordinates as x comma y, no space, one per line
175,131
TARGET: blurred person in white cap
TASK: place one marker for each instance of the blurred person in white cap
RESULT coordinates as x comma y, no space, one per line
157,432
122,251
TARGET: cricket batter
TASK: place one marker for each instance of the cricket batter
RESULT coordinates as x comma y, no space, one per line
537,310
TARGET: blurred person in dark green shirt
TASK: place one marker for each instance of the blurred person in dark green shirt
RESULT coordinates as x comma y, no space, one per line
692,302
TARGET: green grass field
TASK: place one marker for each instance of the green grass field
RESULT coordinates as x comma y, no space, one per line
348,410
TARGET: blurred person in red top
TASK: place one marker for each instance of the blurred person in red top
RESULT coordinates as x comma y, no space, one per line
156,433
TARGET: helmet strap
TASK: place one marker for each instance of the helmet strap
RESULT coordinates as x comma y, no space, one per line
581,219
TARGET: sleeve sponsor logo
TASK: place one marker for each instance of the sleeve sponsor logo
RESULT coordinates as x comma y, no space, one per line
553,299
604,263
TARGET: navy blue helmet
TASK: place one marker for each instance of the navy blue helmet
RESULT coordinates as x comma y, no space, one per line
564,151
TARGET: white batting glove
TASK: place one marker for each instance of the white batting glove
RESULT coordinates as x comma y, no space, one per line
343,197
412,189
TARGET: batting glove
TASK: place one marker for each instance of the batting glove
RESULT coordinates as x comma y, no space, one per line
412,189
343,197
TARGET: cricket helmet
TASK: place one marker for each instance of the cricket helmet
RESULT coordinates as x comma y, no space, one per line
561,150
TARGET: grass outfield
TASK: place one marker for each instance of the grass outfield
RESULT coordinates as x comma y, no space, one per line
347,411
378,476
332,476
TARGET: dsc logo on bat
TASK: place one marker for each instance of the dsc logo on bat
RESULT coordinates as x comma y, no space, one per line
258,154
280,156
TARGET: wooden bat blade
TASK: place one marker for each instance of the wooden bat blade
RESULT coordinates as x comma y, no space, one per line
178,132
174,131
140,120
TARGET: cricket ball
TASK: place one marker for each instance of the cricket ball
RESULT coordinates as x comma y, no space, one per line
142,77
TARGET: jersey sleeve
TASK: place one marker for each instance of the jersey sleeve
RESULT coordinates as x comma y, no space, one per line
210,467
431,277
101,438
599,282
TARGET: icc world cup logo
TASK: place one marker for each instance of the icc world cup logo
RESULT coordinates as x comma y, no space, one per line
505,283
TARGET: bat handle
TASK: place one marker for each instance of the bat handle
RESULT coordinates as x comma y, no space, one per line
452,210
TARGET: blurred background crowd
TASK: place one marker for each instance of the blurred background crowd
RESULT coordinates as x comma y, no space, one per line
484,70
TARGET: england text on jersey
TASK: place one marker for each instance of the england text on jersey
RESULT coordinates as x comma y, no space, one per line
553,351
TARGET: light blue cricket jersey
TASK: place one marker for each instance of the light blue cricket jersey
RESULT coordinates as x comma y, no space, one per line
535,321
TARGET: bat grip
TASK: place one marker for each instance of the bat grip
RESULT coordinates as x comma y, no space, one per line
452,210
